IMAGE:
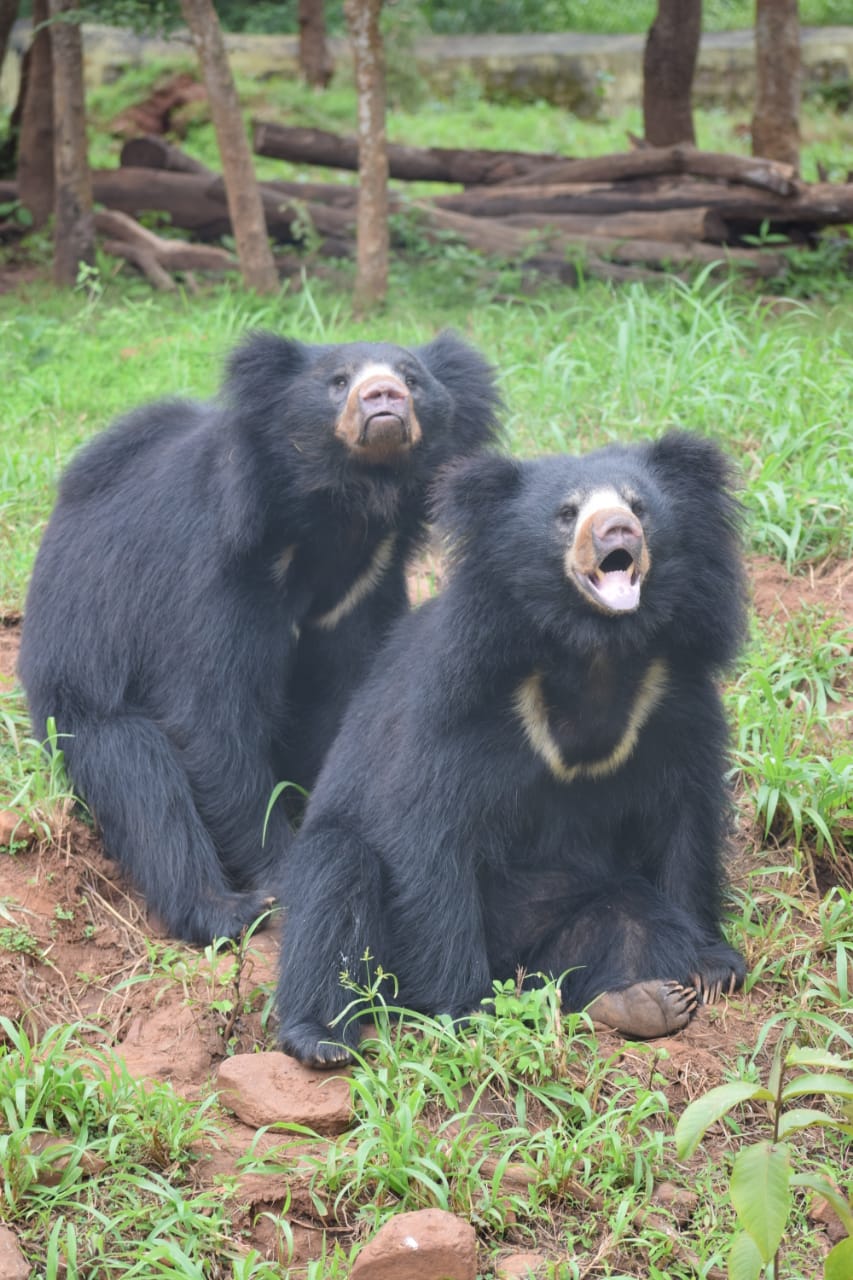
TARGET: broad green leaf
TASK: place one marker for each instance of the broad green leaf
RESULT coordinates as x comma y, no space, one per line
839,1261
716,1103
802,1117
818,1082
761,1194
823,1187
806,1056
744,1259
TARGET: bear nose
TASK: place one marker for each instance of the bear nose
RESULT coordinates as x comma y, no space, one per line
382,393
619,528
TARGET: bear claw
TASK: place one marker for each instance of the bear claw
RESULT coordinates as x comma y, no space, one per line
646,1009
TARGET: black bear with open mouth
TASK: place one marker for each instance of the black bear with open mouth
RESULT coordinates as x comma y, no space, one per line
533,776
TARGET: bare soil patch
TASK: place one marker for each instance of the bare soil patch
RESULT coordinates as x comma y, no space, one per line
78,945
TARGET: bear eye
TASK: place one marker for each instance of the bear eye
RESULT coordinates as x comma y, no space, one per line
340,380
568,512
638,506
410,380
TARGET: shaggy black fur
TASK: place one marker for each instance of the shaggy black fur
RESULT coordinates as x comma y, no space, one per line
211,586
533,774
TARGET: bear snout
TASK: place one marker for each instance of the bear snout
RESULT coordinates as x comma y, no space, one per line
378,420
608,559
618,530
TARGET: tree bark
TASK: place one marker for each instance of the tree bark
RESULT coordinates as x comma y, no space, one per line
35,141
776,119
669,60
244,200
74,228
371,282
315,60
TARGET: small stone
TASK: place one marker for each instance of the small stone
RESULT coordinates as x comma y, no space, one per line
263,1088
13,1264
520,1266
428,1244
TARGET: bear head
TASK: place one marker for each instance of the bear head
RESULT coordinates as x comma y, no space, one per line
608,551
363,406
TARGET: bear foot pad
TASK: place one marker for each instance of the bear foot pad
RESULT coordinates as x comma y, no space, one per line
646,1009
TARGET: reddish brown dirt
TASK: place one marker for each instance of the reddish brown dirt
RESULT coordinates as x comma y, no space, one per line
82,953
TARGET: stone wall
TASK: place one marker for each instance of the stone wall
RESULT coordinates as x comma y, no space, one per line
585,73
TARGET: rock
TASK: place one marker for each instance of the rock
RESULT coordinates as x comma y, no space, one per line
13,1264
426,1245
262,1088
520,1266
13,830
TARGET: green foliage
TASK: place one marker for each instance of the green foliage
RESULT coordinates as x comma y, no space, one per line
762,1178
799,776
488,1120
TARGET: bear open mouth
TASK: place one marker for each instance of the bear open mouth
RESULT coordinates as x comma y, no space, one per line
615,584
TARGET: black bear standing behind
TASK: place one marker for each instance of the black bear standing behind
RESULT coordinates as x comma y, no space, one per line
533,774
211,587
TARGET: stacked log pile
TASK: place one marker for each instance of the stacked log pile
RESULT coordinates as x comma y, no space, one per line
627,215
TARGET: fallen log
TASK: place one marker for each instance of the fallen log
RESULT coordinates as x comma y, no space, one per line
654,162
545,243
671,225
196,202
152,152
416,164
149,151
730,212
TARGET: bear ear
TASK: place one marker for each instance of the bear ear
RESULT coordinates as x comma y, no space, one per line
471,381
262,359
468,495
686,461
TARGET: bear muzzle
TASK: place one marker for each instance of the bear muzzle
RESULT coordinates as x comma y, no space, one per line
379,422
609,559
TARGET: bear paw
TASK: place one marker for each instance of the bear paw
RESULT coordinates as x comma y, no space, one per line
311,1044
646,1009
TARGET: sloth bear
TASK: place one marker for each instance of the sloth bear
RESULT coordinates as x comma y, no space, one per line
532,776
211,587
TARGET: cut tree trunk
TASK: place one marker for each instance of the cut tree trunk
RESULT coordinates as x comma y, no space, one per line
669,61
371,282
244,200
74,229
776,118
35,141
413,164
315,60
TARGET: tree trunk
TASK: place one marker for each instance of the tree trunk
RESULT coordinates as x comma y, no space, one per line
669,60
315,60
776,120
244,200
371,282
74,229
8,14
35,141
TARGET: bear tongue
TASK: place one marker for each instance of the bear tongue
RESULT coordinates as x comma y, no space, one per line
619,589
